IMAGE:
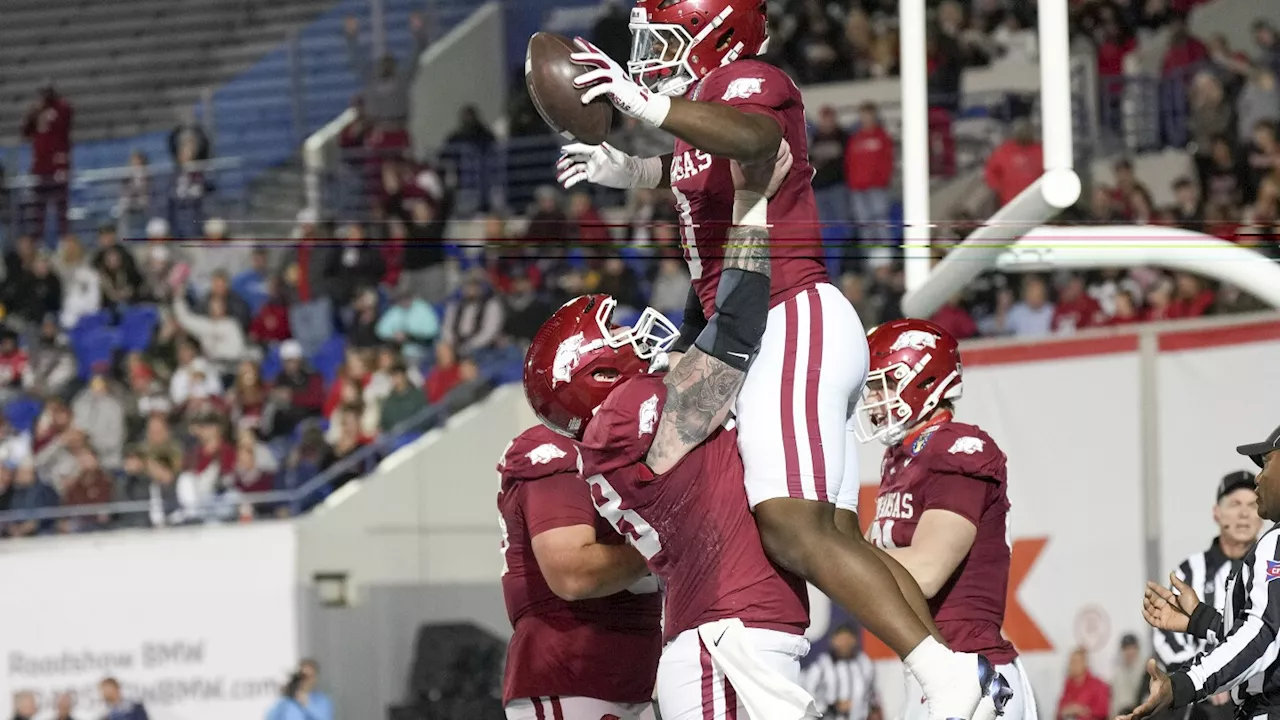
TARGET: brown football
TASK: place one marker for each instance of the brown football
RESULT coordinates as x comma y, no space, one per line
549,74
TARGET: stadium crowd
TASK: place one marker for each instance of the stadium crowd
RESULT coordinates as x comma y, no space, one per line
185,378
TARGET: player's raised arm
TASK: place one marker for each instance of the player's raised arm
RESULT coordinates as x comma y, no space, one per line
715,128
703,386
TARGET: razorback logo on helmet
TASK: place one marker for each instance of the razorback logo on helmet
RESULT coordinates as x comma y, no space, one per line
966,445
545,453
568,354
648,415
914,339
743,88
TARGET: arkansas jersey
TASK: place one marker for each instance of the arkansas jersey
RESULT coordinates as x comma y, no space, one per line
956,467
692,524
561,647
703,187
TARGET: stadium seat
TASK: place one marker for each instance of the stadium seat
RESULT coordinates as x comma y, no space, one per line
93,321
22,413
137,325
329,357
94,347
271,364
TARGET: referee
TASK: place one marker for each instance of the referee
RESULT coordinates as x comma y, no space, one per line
1207,572
1243,653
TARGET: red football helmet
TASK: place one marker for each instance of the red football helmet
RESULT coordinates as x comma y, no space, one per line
579,356
915,365
675,43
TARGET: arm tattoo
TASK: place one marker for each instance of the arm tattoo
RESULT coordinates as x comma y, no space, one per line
701,390
747,248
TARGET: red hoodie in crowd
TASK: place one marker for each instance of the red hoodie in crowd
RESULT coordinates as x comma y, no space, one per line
48,127
868,159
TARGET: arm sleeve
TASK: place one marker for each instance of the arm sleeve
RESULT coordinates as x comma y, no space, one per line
557,501
962,495
1247,649
1205,623
693,323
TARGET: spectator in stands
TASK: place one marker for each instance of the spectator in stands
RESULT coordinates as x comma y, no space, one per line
1126,184
547,222
300,700
166,507
100,414
1258,103
1015,164
854,288
250,475
24,705
360,320
15,445
1185,50
826,153
47,125
208,471
119,285
1129,679
955,319
13,366
1268,42
590,229
30,495
298,392
1032,315
35,294
354,265
619,280
354,370
1263,157
159,441
117,707
945,63
410,323
386,87
474,320
1188,208
90,486
1223,175
219,334
248,397
158,270
1211,114
816,48
250,285
63,705
81,291
220,289
57,448
134,206
1191,298
1084,696
1076,309
132,485
869,175
193,377
1124,310
271,323
19,257
216,254
186,194
188,132
448,373
667,291
404,402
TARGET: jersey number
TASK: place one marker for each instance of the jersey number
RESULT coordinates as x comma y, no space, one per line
626,521
687,239
881,534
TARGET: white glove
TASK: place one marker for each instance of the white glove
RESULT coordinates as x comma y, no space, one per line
606,165
610,79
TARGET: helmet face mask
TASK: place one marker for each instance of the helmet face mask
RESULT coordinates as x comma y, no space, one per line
578,356
915,367
676,43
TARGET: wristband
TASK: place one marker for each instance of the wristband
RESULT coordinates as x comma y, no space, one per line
647,172
750,209
655,110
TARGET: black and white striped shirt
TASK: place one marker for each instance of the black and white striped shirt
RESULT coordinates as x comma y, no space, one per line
1242,640
833,680
1207,573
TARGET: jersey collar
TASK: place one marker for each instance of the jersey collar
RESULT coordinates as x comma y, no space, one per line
915,440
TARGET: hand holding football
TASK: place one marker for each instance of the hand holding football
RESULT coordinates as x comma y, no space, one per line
549,75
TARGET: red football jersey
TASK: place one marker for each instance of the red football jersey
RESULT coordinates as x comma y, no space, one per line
692,524
956,467
703,187
561,647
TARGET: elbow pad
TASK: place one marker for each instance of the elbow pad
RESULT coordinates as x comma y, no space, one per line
692,325
733,334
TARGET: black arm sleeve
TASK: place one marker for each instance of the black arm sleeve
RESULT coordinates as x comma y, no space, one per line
1203,619
692,325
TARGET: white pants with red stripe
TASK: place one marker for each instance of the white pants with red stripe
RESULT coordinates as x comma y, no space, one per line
794,407
691,687
575,708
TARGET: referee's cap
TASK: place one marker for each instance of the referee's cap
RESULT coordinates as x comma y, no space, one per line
1238,480
1257,452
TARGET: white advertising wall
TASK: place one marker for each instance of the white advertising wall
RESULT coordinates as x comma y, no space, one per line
199,624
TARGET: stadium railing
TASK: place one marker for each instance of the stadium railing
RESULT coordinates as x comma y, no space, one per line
297,498
94,198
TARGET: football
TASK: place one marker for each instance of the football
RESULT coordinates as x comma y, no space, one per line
549,74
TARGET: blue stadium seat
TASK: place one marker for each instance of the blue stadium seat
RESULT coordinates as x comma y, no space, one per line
93,321
137,325
329,358
22,413
93,347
